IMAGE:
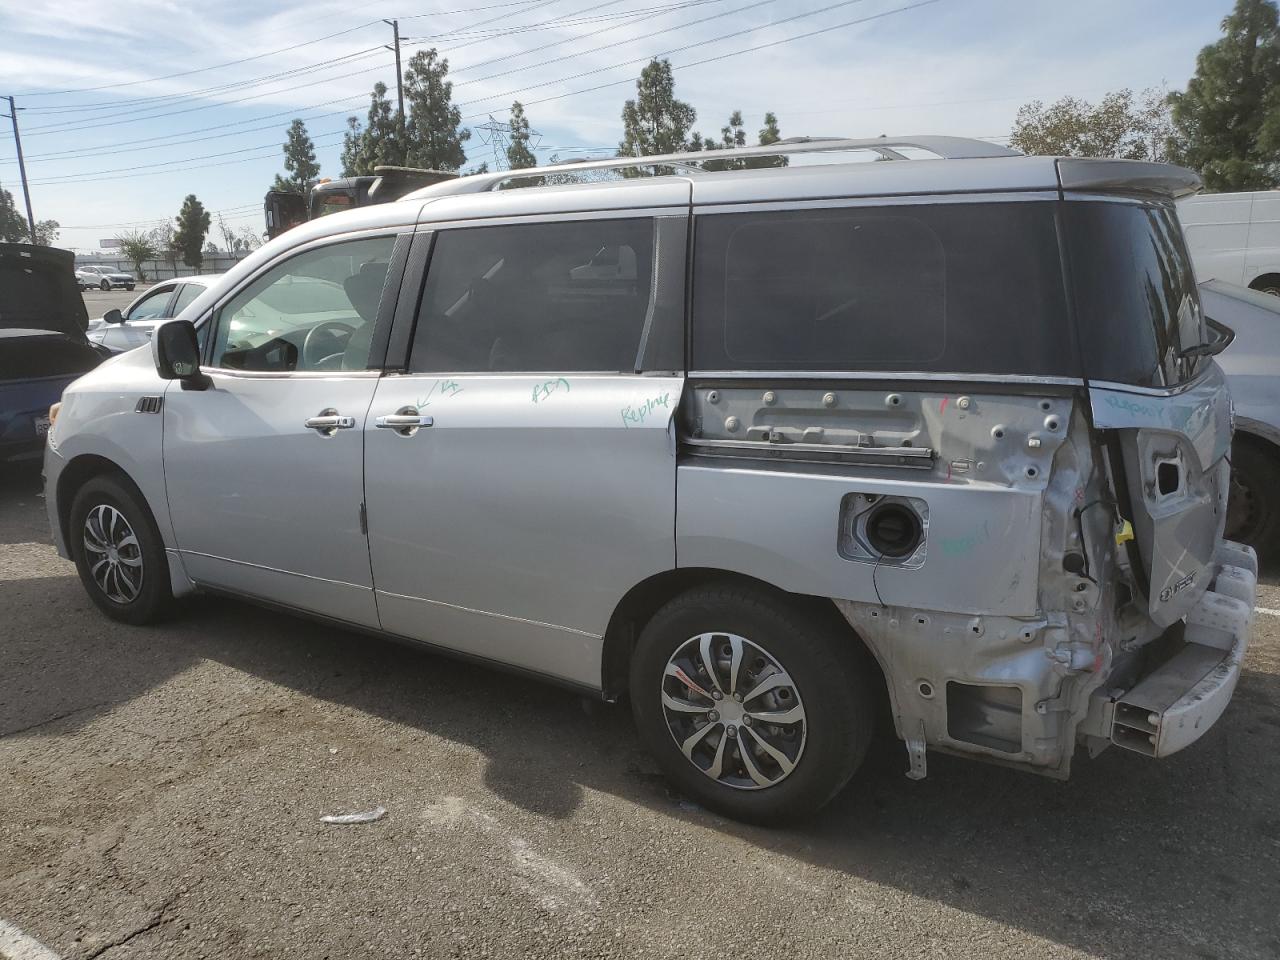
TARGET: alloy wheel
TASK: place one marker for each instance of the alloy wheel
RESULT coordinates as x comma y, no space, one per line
733,711
113,554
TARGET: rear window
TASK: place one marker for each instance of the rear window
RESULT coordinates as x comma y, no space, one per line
1135,294
950,288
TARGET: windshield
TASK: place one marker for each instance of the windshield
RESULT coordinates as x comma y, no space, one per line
1137,306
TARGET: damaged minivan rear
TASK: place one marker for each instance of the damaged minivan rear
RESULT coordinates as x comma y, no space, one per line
1010,403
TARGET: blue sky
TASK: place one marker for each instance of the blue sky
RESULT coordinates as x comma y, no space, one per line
96,157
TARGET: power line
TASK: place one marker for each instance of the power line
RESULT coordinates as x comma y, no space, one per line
49,129
141,223
665,53
649,36
73,177
725,56
260,56
204,91
130,176
151,140
110,118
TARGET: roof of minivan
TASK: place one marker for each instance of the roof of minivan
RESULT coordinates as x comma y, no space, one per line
962,167
958,166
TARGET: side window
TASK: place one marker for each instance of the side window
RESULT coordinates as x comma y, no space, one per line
570,296
186,294
951,288
315,311
151,306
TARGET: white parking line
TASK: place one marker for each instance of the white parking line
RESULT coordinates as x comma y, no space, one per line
1268,611
16,945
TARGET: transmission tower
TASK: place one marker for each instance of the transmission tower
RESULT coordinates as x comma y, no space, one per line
497,134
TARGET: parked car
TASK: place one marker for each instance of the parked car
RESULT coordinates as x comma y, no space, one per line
123,330
1252,366
849,436
42,343
104,278
1235,237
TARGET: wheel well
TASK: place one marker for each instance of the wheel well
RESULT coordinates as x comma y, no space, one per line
646,598
1265,280
75,475
1260,443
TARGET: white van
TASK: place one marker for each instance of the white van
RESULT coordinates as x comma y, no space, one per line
1234,237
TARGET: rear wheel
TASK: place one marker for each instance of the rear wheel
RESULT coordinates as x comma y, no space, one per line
1253,509
118,551
105,285
752,705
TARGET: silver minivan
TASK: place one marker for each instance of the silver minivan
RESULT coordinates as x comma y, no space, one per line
760,449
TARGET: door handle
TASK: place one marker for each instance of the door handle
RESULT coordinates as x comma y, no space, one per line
398,421
405,421
329,422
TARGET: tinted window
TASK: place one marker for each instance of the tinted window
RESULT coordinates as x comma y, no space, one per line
315,311
151,306
188,293
954,288
570,296
1135,293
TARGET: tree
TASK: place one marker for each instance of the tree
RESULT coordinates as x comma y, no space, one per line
299,161
519,156
1119,125
13,225
655,122
229,238
138,246
377,142
770,133
433,130
1228,120
193,224
249,239
14,228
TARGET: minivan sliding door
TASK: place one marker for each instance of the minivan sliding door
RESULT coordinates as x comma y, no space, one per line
520,475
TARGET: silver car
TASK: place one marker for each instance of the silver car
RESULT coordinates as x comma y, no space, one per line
132,327
760,450
104,278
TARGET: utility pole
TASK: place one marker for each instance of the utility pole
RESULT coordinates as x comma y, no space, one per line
395,28
22,167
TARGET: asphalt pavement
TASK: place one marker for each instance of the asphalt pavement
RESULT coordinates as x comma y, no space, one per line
161,792
98,302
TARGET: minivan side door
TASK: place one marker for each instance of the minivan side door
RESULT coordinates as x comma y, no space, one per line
520,472
264,468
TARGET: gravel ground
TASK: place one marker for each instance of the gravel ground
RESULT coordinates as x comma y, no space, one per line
161,788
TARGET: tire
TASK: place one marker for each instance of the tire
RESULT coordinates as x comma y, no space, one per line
105,285
136,593
823,674
1253,509
129,287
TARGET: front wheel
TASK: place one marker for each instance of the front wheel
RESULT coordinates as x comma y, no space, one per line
752,705
118,551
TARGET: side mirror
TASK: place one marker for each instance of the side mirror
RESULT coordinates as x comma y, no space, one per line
176,353
113,316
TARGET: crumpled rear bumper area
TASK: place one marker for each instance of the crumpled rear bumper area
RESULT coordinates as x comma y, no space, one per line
1176,703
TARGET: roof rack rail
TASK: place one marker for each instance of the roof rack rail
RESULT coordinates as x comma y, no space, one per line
689,162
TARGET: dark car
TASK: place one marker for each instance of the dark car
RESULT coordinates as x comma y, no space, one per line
42,342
